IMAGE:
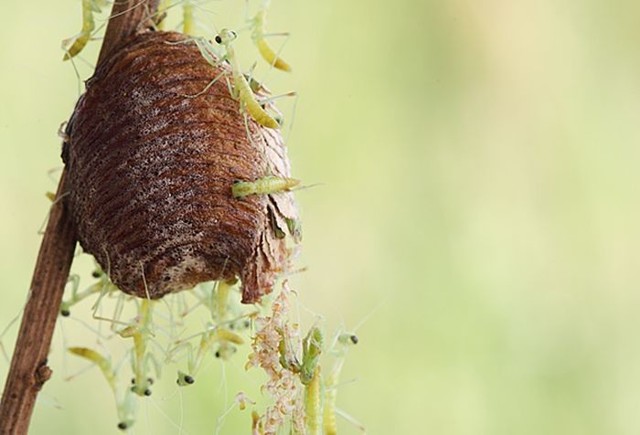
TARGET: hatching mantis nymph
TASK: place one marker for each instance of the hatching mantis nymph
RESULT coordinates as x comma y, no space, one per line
103,286
126,405
140,332
341,344
241,89
196,356
263,186
258,23
74,45
220,332
309,372
311,379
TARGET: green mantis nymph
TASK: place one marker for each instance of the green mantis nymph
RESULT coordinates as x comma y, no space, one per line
73,46
263,186
241,89
258,24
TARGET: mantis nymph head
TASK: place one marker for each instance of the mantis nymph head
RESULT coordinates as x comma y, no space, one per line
225,37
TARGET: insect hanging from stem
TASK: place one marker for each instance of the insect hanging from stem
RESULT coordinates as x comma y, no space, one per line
258,34
341,344
74,45
126,406
197,354
219,332
102,286
141,333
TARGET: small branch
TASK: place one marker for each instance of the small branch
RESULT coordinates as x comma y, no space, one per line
127,18
29,370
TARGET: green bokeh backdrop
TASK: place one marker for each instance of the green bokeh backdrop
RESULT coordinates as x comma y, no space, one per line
479,198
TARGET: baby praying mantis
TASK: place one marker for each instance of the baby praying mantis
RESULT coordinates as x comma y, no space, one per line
311,350
263,186
100,361
241,89
125,407
219,333
319,394
313,403
207,340
309,372
103,286
311,379
140,332
341,344
74,45
258,24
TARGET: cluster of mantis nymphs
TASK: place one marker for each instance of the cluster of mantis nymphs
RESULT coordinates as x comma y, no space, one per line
159,333
242,86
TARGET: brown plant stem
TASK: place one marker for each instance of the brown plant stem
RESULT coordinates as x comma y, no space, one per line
128,17
29,370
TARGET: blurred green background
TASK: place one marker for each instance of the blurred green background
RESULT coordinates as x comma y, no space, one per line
478,200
